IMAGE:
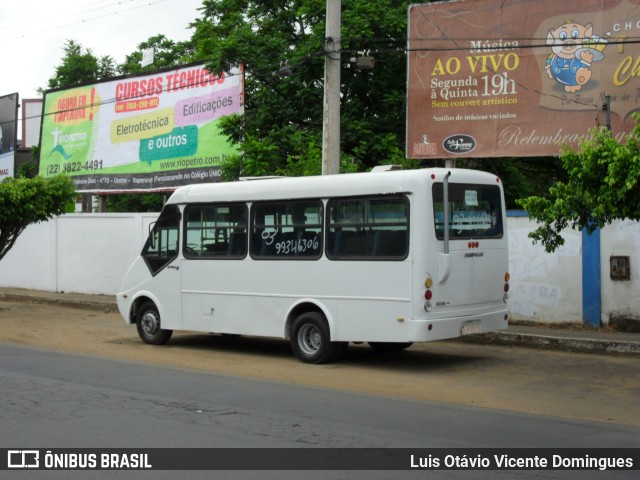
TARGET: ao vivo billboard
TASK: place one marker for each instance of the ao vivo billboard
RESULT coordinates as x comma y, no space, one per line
151,132
520,78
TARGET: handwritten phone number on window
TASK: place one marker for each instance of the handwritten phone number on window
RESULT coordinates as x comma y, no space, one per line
290,247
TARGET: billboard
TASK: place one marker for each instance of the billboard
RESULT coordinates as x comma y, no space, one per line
489,78
8,134
151,132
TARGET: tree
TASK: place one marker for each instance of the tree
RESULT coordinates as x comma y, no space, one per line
30,200
167,53
603,185
281,45
80,66
521,177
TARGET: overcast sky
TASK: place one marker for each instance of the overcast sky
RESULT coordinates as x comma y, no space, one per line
33,33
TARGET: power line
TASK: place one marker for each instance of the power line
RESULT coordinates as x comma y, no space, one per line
293,62
84,20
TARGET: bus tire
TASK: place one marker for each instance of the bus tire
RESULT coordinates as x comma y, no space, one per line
149,327
389,347
311,339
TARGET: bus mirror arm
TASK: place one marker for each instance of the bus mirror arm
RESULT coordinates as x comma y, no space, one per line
445,200
444,267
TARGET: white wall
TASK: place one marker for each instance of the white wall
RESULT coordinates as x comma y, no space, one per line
90,253
544,287
620,298
82,253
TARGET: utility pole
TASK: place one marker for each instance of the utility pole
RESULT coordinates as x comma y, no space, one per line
331,103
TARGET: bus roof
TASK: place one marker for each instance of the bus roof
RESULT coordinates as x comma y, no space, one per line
373,183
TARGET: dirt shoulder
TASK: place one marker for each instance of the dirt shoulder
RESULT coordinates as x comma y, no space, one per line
575,386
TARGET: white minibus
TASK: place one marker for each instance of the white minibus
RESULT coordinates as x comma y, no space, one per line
388,258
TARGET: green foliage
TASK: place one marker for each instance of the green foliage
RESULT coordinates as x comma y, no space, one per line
521,177
603,185
167,53
135,202
80,66
281,45
30,200
28,170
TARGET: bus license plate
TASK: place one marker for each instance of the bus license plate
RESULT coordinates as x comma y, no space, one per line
470,327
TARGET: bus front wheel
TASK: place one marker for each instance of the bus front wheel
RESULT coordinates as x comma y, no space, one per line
149,328
311,339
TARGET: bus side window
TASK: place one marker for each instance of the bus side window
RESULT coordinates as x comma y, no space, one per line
374,228
287,229
215,231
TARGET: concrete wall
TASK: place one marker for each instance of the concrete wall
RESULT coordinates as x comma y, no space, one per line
81,253
545,287
90,253
620,298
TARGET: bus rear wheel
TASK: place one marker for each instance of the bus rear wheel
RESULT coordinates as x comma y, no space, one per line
311,340
149,328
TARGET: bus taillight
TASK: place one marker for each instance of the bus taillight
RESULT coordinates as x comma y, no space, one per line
507,277
428,294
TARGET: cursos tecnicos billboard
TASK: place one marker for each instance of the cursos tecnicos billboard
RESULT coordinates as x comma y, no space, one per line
150,132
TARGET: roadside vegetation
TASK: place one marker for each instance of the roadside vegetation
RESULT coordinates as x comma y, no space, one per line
280,44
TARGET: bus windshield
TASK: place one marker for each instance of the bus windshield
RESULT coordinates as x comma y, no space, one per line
475,211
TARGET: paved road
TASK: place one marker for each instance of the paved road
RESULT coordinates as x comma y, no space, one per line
54,399
75,378
576,386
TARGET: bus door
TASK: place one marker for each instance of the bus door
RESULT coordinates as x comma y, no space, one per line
160,254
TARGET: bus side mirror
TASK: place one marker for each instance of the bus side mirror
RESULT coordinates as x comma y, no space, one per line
152,237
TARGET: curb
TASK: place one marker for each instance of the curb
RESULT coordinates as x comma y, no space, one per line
565,344
105,306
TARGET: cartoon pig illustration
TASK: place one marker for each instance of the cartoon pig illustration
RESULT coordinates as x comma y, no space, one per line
574,49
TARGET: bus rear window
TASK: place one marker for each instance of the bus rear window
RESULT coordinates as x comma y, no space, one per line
475,211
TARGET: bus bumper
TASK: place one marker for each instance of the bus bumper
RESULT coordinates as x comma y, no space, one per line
428,330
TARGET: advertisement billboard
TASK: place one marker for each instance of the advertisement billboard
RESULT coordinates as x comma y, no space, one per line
521,78
8,132
152,132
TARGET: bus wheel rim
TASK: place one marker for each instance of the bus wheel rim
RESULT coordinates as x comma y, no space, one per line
150,323
309,339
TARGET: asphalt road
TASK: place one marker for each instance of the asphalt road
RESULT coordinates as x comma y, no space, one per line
204,391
